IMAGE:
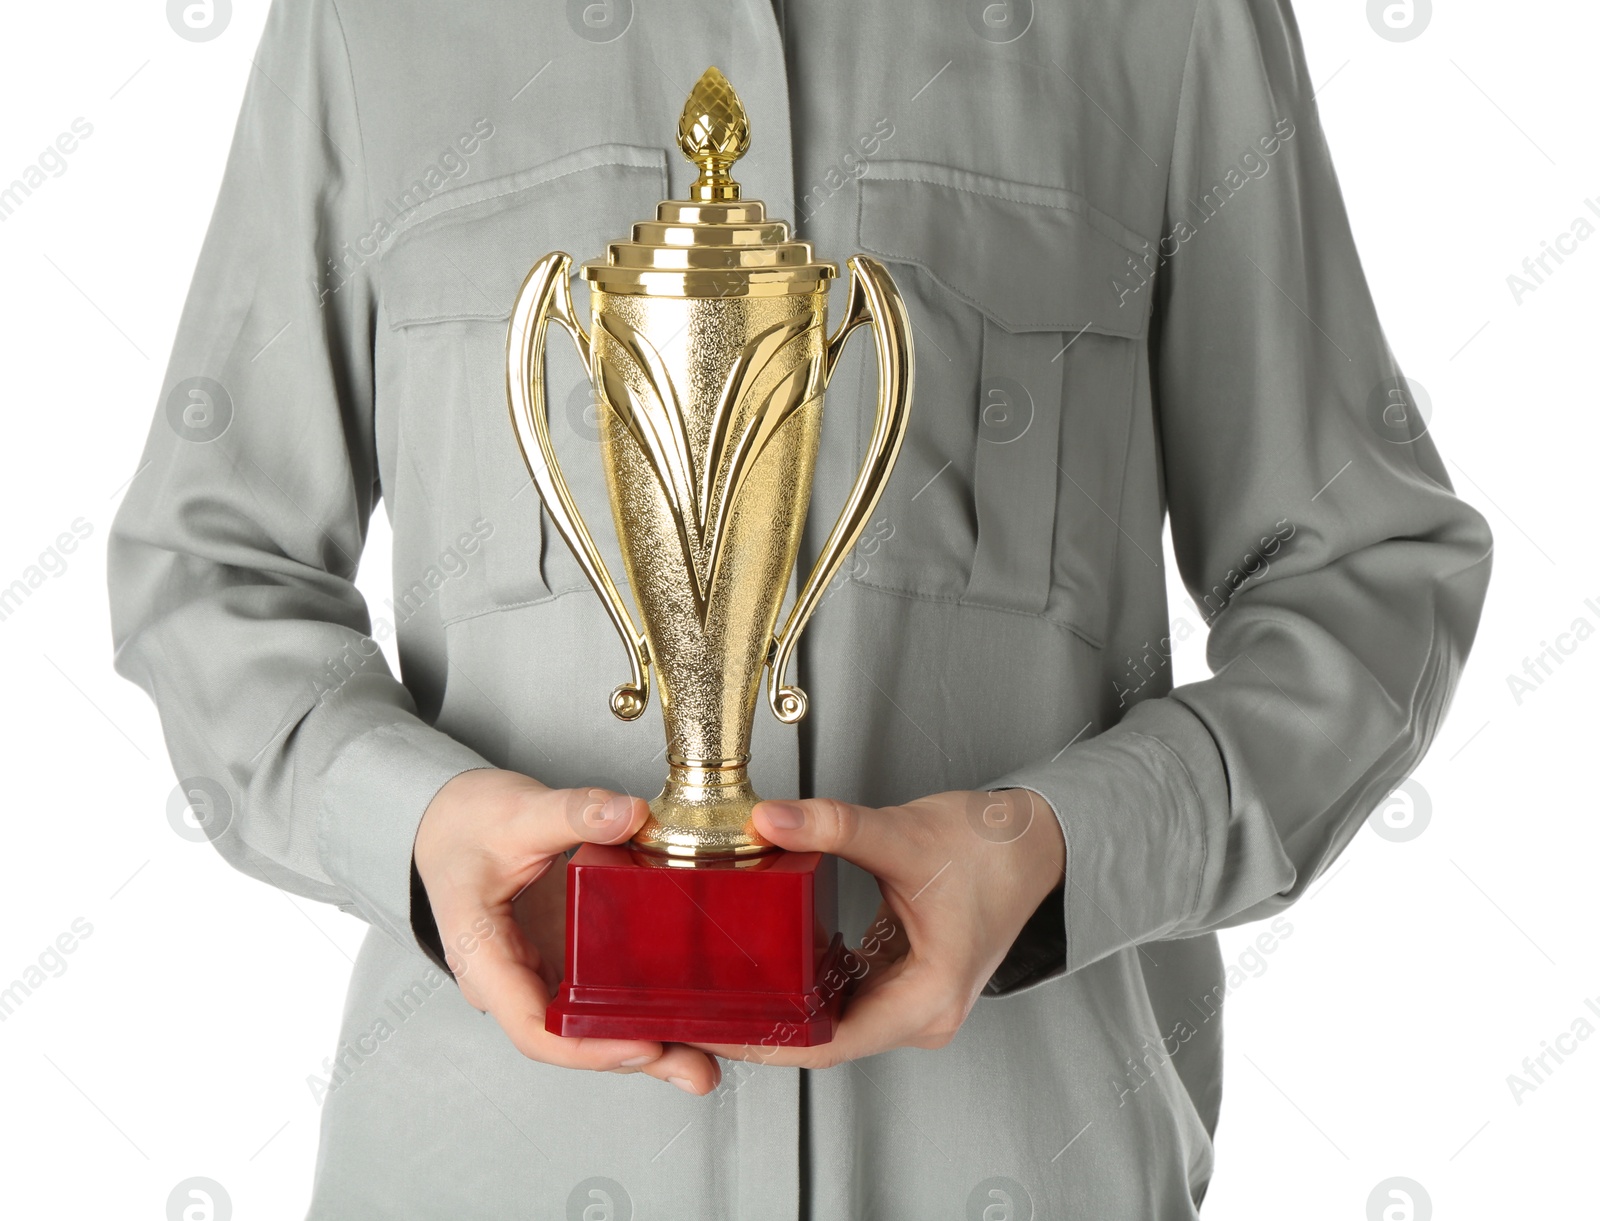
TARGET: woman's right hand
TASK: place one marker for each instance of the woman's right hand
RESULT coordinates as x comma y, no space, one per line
490,852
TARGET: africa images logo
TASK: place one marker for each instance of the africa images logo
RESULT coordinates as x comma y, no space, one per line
52,161
1252,166
199,20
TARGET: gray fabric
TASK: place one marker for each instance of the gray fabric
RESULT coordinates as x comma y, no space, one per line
1009,602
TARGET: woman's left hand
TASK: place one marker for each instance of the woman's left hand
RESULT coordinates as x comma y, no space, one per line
960,874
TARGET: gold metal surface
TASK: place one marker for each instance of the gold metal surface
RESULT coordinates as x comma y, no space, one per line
715,243
713,132
708,345
717,249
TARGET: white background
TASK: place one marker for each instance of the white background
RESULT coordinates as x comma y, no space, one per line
1376,1040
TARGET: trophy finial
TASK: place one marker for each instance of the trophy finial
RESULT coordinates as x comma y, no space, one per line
713,132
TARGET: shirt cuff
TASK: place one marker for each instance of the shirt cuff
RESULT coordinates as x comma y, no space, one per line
1038,954
1132,804
373,798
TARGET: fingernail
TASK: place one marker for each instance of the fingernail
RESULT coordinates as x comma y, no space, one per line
684,1084
636,1062
784,815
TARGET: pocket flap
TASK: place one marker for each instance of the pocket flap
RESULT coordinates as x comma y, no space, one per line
465,253
1031,258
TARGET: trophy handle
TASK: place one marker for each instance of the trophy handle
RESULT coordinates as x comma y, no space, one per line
547,294
873,299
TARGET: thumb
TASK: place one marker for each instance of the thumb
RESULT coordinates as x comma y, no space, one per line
874,839
566,817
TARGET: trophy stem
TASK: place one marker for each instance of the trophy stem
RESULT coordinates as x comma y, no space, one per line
704,813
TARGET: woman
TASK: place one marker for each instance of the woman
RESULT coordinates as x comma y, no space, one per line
1134,291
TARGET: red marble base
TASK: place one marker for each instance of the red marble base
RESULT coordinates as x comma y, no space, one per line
717,953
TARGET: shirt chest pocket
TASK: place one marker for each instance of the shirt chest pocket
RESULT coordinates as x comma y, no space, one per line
1008,488
449,281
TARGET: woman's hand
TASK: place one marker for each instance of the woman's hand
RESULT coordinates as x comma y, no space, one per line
960,874
490,852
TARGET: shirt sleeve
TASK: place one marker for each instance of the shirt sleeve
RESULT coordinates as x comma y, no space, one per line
232,559
1310,515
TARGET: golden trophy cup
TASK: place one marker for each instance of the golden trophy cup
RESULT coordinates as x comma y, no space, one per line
709,353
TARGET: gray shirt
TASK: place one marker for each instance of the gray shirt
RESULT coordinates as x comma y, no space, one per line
1135,296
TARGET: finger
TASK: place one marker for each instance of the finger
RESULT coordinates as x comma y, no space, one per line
688,1068
556,819
880,841
499,975
916,1005
540,910
912,1007
884,944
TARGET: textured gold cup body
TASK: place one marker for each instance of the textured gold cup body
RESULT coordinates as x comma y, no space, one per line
709,548
709,351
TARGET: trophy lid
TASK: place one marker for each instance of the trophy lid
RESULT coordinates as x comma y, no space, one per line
714,244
